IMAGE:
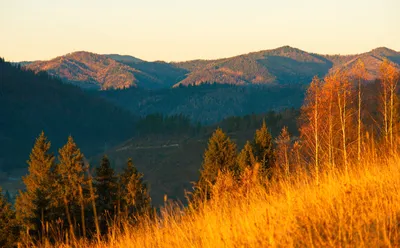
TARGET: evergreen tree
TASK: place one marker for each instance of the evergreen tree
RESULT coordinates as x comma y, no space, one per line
106,190
283,151
246,157
8,225
33,206
220,156
133,194
69,183
263,149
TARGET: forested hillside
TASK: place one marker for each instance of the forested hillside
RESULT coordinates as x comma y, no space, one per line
169,152
281,66
207,104
96,72
33,102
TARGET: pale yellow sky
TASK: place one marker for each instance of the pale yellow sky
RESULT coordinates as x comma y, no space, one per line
179,30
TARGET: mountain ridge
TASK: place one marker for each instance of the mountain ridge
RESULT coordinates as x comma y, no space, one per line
282,65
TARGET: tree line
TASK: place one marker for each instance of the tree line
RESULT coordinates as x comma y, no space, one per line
64,201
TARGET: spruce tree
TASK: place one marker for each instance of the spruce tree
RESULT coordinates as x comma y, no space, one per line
263,149
246,157
33,205
106,190
220,156
9,229
133,194
283,151
69,183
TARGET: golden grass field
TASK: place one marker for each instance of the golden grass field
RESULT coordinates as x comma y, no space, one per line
361,209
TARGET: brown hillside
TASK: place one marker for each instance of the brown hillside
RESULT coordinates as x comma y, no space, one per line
90,70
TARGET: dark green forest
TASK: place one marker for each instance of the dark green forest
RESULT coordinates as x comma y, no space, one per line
33,102
207,103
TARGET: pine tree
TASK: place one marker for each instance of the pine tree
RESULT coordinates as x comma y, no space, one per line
106,190
33,206
246,157
220,156
69,183
9,229
133,194
263,149
283,150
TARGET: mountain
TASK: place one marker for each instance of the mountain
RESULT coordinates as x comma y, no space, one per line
94,71
33,102
283,65
372,61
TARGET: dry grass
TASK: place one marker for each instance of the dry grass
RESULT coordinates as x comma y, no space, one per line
361,209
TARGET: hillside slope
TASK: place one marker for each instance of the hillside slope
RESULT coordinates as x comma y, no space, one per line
360,209
207,104
284,65
33,102
171,163
372,61
281,65
94,71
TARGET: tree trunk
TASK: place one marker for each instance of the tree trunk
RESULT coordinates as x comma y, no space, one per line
316,136
96,220
71,228
82,203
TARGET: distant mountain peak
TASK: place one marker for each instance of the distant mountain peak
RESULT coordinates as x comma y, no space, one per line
289,48
384,51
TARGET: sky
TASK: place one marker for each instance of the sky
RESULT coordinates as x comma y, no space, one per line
178,30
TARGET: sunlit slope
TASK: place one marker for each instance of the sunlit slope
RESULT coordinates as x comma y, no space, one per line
361,209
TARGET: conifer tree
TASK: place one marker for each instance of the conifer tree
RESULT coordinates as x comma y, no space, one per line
246,157
106,190
70,179
34,205
220,156
133,194
8,225
283,150
263,149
